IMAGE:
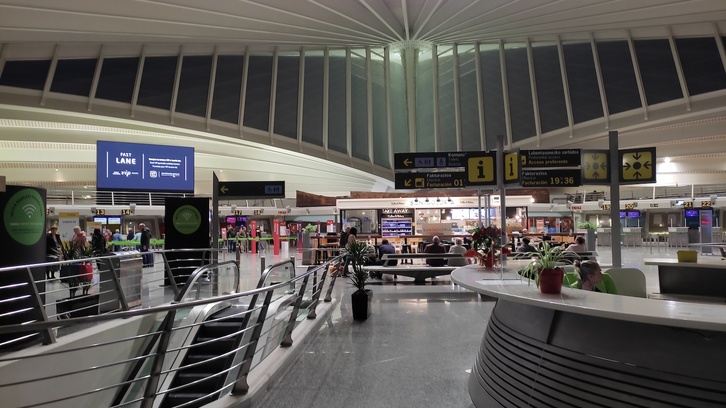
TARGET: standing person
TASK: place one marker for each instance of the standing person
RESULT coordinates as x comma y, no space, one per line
98,243
130,236
435,247
231,239
79,240
116,237
52,251
352,237
260,242
145,244
242,237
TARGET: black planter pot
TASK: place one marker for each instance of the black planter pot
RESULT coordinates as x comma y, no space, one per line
361,301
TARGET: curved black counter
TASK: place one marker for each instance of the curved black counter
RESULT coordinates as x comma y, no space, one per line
582,349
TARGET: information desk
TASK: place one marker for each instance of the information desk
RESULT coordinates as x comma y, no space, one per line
705,278
582,349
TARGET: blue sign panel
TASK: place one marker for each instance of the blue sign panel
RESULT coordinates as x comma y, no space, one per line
144,167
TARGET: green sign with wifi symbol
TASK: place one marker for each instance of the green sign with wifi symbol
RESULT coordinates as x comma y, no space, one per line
24,217
187,219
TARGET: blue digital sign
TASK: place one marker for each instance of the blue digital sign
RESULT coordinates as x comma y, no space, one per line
144,167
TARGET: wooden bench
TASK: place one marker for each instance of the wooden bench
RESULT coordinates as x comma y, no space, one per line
419,272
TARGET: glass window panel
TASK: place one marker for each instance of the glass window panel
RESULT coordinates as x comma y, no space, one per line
582,81
117,80
194,85
259,86
702,66
380,126
359,108
491,76
468,99
312,131
520,92
424,102
550,91
618,76
288,80
25,74
157,82
658,71
399,111
228,88
337,103
447,110
74,76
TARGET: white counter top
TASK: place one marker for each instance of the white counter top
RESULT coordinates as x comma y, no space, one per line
702,263
650,311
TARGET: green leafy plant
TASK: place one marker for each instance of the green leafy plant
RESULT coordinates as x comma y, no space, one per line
310,228
360,252
586,225
546,257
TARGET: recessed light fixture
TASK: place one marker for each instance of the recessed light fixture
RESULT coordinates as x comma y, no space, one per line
667,159
56,169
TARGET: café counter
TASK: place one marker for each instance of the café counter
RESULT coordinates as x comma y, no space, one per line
583,348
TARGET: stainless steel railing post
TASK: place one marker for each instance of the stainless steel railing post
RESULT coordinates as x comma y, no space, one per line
45,334
241,386
170,275
287,340
158,363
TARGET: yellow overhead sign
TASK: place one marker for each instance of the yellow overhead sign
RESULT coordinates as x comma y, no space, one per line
511,167
481,170
595,168
637,165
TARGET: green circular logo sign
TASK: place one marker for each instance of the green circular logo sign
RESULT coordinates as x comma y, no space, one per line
24,217
187,219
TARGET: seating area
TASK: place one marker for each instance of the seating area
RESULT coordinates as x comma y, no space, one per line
418,271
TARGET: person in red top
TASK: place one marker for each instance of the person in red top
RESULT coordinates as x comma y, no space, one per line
435,247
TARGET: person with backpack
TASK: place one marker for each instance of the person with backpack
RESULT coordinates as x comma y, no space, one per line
231,239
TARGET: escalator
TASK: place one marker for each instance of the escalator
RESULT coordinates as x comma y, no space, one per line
203,370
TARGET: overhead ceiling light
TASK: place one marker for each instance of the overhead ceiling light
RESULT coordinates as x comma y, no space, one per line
56,169
667,159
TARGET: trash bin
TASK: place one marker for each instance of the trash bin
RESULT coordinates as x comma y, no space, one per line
128,270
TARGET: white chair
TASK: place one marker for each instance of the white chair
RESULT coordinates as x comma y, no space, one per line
629,281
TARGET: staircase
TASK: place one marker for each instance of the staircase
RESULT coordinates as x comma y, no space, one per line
201,374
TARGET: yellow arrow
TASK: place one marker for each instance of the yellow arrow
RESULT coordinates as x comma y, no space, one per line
407,183
223,189
406,162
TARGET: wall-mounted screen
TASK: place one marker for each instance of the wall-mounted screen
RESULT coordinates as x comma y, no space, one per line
622,214
691,213
633,214
102,220
114,220
231,220
144,167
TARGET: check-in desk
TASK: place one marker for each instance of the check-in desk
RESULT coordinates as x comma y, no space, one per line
706,279
605,236
678,236
633,236
582,349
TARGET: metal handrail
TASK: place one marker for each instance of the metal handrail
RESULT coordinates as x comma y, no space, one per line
192,279
235,374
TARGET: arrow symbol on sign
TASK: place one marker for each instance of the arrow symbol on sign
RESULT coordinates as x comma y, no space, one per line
587,166
637,155
647,165
407,183
223,189
406,162
627,166
636,174
595,156
596,175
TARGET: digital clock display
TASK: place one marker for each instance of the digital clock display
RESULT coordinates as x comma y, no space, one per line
551,178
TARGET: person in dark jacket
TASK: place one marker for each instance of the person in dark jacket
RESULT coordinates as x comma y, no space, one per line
435,247
98,243
52,251
145,244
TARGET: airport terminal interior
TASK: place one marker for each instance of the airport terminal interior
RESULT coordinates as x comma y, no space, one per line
200,166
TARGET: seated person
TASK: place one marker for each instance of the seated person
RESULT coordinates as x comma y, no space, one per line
435,247
386,248
458,248
526,246
590,275
578,246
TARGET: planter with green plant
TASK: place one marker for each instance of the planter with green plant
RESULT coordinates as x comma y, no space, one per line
307,243
545,268
361,299
76,275
590,229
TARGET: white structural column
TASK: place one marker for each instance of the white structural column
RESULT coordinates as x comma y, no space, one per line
212,82
177,79
273,97
533,87
300,99
505,93
457,93
600,83
638,77
96,76
137,83
369,105
348,102
565,86
719,44
243,91
326,98
435,82
480,97
410,59
679,69
387,88
51,73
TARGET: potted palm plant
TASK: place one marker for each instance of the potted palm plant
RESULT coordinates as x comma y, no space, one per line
589,229
361,299
545,268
